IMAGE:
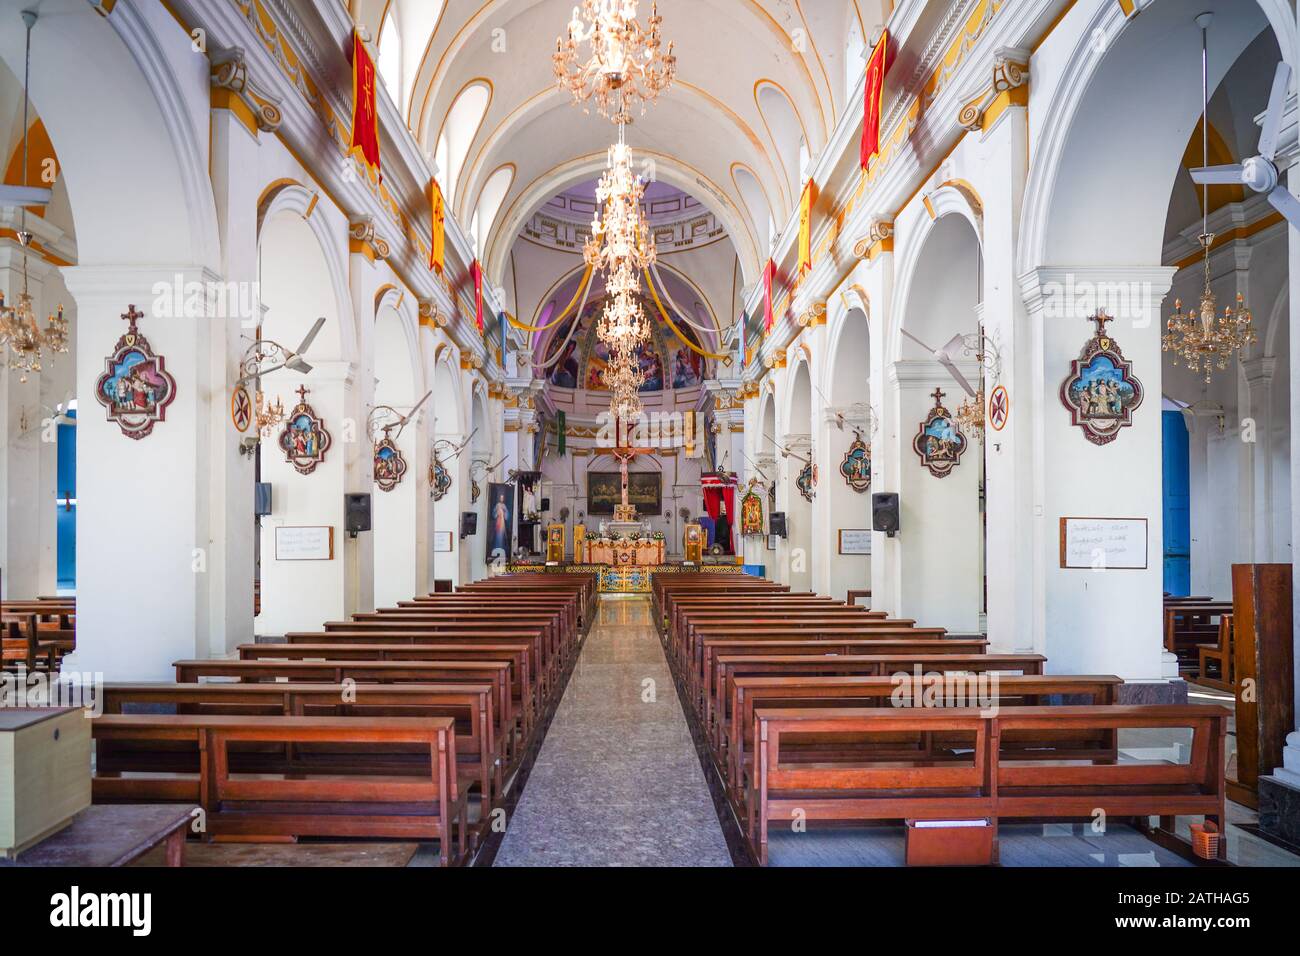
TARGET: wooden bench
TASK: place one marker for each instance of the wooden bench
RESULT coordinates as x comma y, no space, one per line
845,786
1220,653
479,739
496,673
249,785
734,746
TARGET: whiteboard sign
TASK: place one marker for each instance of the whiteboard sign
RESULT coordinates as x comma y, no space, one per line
855,541
442,542
304,543
1104,544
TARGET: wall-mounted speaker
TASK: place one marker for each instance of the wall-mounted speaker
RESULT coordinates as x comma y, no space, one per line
546,504
776,523
468,523
356,513
262,498
884,512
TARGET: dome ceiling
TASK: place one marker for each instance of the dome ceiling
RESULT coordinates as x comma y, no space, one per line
785,83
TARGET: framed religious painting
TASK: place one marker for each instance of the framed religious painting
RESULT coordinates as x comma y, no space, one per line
751,513
304,439
939,442
440,481
807,481
135,388
1101,391
390,463
856,466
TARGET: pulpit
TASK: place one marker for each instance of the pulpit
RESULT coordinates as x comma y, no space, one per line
693,543
555,544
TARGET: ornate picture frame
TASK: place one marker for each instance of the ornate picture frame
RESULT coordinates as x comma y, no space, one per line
1101,392
304,438
806,482
135,388
856,466
440,481
751,513
939,441
389,463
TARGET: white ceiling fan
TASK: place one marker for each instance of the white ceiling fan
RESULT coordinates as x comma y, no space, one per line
1260,172
265,350
946,357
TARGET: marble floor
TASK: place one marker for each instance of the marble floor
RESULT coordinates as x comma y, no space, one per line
617,781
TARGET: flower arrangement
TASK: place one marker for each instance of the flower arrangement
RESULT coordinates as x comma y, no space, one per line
658,536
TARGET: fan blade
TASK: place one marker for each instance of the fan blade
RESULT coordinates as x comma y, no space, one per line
961,379
1273,118
917,341
953,347
306,344
1217,175
411,414
24,196
1282,200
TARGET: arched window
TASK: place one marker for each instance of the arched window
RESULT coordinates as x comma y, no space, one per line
787,134
854,49
458,132
490,199
390,59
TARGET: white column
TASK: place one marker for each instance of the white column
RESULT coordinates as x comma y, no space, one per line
144,508
886,463
1098,621
1257,457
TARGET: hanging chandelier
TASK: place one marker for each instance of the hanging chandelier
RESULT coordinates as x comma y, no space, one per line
970,414
622,236
627,65
267,417
18,327
1203,338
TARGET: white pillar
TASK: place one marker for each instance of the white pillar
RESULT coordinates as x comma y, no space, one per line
144,508
1098,621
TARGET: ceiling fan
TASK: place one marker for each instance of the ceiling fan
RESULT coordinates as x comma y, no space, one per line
1260,172
946,357
265,349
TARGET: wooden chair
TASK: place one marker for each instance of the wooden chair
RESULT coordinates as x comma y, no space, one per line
1220,653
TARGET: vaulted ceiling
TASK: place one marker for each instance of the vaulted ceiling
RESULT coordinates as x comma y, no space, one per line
754,79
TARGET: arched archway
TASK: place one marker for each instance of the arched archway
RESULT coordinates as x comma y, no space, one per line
400,555
446,435
797,449
941,518
848,418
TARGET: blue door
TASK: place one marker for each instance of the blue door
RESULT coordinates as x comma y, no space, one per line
1177,511
66,501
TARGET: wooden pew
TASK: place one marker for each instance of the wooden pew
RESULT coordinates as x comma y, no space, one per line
735,744
844,787
710,648
687,653
479,741
286,797
727,668
1222,676
496,673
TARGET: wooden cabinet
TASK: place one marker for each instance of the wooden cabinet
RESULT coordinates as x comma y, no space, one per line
44,772
1263,662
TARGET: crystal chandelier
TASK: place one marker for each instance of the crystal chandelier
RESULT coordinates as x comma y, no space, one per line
622,237
627,65
970,414
268,416
1202,337
18,329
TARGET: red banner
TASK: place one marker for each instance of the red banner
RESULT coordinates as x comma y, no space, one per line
476,271
874,100
365,118
438,212
769,274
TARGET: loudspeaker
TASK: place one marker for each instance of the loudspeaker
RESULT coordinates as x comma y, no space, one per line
776,523
546,504
262,498
884,512
468,523
356,513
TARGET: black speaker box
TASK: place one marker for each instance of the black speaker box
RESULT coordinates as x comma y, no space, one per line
468,523
884,512
262,498
776,523
356,513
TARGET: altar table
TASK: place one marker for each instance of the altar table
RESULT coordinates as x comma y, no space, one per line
624,553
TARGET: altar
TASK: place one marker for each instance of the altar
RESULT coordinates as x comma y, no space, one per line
643,552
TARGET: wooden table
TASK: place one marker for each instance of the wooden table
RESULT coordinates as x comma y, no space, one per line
113,835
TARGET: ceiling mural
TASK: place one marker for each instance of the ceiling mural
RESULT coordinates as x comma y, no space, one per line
665,361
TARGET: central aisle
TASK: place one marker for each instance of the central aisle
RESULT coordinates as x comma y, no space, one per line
617,781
